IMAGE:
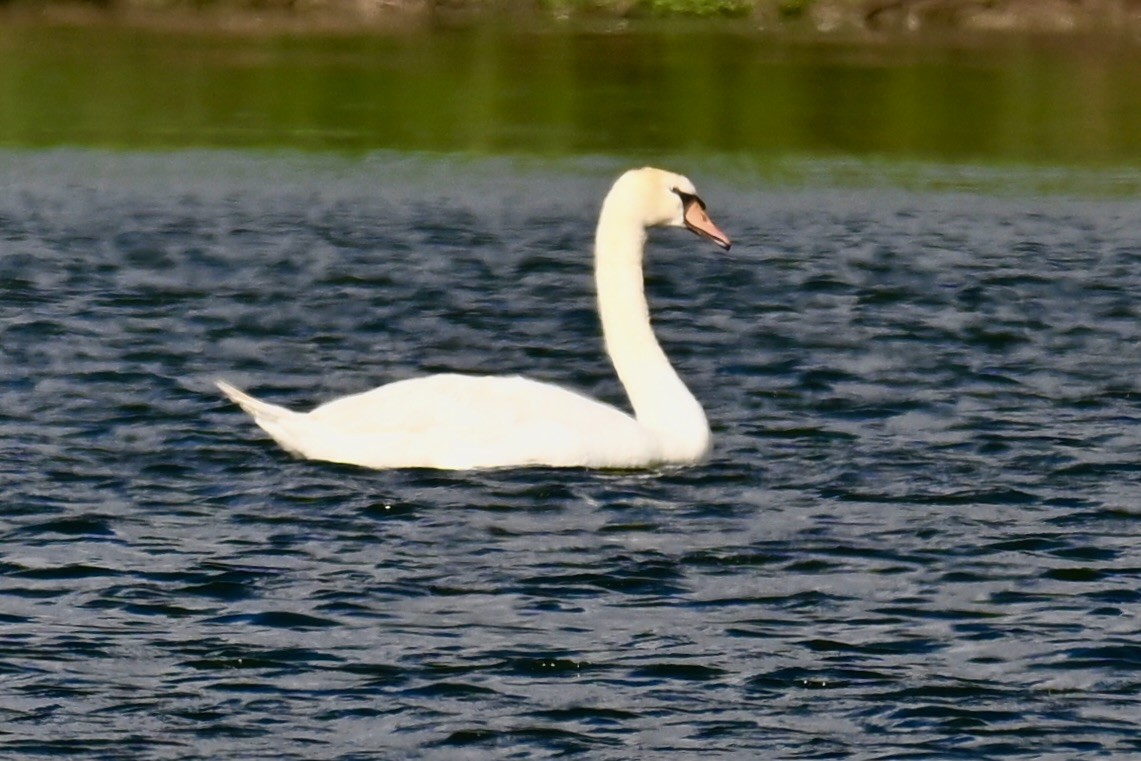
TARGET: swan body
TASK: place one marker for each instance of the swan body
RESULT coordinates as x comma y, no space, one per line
461,422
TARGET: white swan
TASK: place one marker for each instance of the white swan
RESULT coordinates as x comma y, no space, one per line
462,422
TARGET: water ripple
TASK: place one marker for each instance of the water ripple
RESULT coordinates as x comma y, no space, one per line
917,536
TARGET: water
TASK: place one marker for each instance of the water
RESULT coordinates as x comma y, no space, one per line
917,536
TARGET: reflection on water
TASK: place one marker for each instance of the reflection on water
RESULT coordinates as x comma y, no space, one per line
645,91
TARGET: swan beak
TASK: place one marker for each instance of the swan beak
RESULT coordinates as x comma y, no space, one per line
699,222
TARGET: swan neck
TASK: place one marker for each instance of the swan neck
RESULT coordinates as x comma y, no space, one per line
660,399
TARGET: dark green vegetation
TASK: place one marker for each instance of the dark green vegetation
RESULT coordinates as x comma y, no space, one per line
645,90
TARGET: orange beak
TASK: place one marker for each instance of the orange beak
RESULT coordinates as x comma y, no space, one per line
699,222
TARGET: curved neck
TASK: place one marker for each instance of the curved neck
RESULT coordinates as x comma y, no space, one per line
660,399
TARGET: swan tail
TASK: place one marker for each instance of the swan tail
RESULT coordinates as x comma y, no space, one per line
278,422
258,410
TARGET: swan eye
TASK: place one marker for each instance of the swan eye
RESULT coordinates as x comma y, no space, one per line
688,198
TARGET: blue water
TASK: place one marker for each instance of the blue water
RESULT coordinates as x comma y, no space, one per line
918,536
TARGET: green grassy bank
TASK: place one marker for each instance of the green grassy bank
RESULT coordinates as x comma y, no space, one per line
653,90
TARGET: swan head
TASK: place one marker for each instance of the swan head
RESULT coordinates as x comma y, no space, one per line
658,198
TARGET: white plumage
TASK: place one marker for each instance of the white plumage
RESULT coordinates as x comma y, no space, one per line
463,422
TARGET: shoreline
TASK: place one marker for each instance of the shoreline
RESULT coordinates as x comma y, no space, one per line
984,21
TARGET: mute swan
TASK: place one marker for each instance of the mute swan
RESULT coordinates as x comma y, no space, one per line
461,422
